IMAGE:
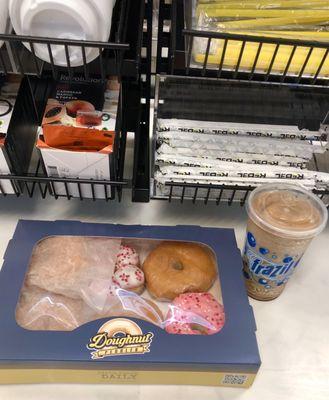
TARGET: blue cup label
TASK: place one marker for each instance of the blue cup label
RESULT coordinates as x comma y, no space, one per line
264,267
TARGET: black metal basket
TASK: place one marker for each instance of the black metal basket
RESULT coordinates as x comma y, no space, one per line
127,56
176,40
208,99
30,184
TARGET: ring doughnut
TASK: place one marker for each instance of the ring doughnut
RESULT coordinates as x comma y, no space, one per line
129,278
195,314
173,268
127,256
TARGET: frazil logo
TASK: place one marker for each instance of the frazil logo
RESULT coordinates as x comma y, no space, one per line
119,336
260,266
266,271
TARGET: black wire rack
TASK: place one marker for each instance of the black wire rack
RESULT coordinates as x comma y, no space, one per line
30,184
219,193
126,56
209,99
177,38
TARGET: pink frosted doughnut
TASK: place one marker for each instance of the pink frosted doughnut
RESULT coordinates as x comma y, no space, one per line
127,256
129,278
195,314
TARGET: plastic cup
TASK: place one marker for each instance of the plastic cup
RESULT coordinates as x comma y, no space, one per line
63,19
4,14
283,220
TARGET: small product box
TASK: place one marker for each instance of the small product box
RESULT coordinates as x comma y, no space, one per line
96,303
77,137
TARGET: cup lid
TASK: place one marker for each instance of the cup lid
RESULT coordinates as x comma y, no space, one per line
287,210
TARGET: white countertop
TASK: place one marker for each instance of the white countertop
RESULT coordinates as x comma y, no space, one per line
293,331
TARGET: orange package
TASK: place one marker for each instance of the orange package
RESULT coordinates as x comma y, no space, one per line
77,139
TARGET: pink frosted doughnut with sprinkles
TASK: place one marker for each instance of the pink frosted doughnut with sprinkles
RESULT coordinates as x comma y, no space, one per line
195,314
130,278
127,256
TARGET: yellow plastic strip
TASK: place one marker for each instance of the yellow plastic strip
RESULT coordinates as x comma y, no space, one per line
261,4
301,35
257,14
20,376
265,57
272,22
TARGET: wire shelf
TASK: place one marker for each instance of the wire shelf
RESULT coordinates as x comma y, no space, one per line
217,194
127,56
233,101
30,185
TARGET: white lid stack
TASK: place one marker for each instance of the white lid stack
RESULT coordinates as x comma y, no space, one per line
62,19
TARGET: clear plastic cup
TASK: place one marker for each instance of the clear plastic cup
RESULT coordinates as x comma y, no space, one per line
63,19
4,14
283,220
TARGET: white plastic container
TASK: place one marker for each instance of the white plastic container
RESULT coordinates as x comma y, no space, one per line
4,14
63,19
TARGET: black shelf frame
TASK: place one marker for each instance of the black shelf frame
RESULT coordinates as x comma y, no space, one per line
141,167
123,56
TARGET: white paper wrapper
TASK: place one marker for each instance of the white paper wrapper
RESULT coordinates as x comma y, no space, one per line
322,180
242,144
238,129
208,158
162,190
229,170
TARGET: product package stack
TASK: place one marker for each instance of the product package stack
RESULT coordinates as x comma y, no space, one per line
77,137
261,135
300,20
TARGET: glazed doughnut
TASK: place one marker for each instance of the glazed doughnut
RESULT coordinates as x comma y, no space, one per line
129,278
173,268
195,314
127,256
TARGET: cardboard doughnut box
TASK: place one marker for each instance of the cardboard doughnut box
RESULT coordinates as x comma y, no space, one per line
82,317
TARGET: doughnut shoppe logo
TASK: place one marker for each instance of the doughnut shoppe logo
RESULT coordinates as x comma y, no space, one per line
119,337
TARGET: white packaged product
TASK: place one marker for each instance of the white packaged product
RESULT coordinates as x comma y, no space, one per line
238,129
243,144
322,180
228,170
166,154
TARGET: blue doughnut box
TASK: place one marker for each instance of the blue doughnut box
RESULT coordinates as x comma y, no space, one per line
227,358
